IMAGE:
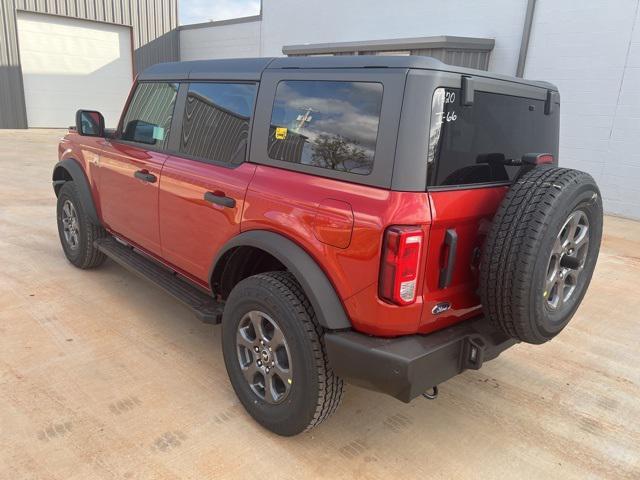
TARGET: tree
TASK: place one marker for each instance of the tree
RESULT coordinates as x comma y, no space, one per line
337,153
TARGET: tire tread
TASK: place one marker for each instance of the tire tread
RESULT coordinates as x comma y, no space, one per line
511,248
330,385
90,257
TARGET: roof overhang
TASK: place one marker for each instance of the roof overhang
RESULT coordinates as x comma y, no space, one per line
394,44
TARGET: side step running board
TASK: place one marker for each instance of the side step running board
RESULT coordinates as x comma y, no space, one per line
203,305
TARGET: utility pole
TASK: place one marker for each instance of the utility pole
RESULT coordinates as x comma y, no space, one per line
304,118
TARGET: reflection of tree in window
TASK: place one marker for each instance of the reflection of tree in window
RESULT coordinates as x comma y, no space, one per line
338,153
326,124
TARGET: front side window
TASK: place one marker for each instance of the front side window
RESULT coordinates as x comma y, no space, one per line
480,143
148,117
216,119
326,124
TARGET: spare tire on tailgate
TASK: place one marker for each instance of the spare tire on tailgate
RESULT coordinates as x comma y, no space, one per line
540,252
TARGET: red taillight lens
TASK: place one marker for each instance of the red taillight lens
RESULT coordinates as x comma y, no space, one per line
400,263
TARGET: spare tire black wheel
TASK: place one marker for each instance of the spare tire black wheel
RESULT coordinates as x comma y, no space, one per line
540,253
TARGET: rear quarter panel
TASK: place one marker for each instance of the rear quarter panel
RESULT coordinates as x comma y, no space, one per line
289,203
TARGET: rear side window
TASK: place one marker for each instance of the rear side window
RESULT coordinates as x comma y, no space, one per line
471,145
216,120
148,117
326,124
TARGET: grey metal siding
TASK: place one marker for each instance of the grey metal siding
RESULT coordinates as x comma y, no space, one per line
477,59
459,51
12,107
154,38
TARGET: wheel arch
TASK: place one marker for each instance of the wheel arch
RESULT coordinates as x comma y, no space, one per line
70,170
320,291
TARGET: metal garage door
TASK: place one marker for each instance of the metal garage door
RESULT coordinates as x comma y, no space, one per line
69,64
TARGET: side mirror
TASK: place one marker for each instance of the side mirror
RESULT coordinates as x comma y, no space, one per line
90,123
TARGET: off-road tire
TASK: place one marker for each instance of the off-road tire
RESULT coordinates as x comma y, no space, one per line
315,391
85,255
517,253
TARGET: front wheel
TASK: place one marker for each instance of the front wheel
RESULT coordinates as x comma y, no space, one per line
275,356
77,232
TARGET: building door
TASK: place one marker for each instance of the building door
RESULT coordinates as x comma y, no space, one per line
68,64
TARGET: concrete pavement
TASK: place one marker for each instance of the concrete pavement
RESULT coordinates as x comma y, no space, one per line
104,376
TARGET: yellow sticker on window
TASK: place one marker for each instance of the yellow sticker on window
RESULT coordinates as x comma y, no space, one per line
281,133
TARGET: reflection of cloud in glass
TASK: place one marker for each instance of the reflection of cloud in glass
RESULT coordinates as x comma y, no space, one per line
437,110
343,115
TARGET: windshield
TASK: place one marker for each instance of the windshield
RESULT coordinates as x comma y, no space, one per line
473,144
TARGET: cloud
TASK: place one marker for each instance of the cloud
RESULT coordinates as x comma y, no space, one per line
198,11
352,113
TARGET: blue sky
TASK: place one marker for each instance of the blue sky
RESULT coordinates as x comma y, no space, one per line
197,11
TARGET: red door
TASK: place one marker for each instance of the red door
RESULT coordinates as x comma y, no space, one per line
460,223
128,182
129,174
200,210
202,193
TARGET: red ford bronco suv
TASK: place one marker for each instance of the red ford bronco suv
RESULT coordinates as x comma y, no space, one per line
384,221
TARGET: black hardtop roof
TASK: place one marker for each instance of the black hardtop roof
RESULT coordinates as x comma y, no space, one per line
252,68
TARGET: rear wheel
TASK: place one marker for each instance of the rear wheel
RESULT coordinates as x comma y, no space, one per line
77,232
275,356
541,252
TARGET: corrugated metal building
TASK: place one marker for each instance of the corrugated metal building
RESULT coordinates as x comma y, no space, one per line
60,44
589,49
592,53
461,51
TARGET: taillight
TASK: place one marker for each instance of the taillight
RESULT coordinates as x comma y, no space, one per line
400,263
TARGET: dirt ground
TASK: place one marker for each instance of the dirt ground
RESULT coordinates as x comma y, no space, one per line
104,376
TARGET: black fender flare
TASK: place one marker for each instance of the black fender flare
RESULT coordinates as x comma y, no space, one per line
323,297
74,170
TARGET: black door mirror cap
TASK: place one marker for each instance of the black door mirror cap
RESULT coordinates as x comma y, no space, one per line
90,123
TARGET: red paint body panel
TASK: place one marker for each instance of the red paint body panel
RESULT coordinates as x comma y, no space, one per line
341,225
469,212
86,151
333,224
194,230
129,205
288,203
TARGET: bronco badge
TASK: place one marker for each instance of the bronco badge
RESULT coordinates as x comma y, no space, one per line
440,307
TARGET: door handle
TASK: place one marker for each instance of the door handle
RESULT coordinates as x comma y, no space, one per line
219,198
145,176
451,243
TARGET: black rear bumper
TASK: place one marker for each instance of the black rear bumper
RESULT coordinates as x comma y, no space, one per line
405,367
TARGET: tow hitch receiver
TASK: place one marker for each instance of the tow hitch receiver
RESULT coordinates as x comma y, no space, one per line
473,353
411,366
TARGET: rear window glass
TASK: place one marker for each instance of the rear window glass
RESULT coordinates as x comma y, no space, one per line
326,124
215,125
470,145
